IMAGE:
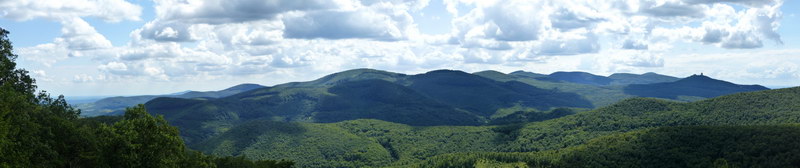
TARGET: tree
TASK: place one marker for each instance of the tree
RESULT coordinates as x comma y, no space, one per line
18,79
35,130
141,140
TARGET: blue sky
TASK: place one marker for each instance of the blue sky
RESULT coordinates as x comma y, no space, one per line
118,47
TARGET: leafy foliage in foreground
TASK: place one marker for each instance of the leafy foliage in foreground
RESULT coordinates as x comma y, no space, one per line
681,146
37,130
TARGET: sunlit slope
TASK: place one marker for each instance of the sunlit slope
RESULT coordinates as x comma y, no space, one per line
409,144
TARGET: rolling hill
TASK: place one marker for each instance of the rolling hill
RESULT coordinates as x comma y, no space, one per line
116,105
680,146
597,80
646,78
404,145
441,97
694,86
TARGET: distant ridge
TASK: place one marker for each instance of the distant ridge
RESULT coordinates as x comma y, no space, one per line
598,80
115,105
695,85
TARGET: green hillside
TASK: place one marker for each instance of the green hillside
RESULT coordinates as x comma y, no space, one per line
413,144
602,91
436,98
682,146
485,96
599,96
695,86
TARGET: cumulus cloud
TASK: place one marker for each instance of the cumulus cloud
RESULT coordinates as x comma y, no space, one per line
751,3
742,40
335,35
306,19
203,40
588,44
233,11
500,21
108,10
634,45
672,9
365,23
76,34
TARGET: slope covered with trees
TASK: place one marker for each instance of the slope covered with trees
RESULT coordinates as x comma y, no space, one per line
436,98
681,146
403,145
695,85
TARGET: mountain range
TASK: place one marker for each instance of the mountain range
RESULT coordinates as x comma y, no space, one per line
441,97
374,118
641,126
116,105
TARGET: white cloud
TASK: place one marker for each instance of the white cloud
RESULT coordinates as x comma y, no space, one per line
742,40
76,34
671,9
582,45
752,3
365,23
108,10
634,45
83,78
192,40
46,54
233,11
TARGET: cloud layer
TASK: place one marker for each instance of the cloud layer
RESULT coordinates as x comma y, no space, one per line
201,40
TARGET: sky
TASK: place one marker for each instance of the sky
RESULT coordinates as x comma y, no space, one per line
136,47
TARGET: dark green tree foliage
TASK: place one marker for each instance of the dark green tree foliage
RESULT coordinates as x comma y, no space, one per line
242,162
141,140
37,130
693,146
484,96
383,100
392,144
682,146
17,79
532,116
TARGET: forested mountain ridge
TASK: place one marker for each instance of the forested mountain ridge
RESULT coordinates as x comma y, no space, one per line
117,105
598,80
407,145
695,85
441,97
679,146
602,91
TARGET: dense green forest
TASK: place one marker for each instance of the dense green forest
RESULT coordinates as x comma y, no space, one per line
37,130
435,98
381,143
680,146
